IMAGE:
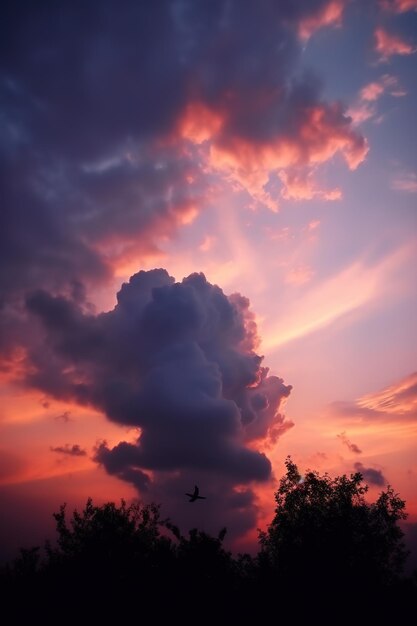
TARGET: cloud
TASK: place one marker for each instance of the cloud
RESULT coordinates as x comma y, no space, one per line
365,107
349,444
329,14
177,362
74,450
388,45
65,417
300,185
372,476
406,181
396,403
374,90
101,167
398,6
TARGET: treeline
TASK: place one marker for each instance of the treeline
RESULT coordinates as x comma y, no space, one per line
328,554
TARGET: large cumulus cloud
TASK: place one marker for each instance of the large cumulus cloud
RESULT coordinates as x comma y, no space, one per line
177,361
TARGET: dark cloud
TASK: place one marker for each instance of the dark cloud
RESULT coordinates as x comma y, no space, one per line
349,444
64,417
90,96
74,450
178,362
371,475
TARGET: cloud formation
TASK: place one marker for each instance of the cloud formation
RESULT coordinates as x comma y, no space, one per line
406,181
398,6
388,45
101,166
178,362
371,475
397,402
74,450
349,444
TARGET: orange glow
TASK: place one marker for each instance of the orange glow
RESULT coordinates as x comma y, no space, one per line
303,187
320,306
250,165
199,123
329,15
388,45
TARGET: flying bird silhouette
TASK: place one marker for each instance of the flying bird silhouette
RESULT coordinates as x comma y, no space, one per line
194,496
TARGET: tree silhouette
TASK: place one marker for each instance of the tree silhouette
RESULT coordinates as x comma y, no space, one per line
326,546
325,535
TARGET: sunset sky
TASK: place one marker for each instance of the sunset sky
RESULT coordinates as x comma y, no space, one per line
270,146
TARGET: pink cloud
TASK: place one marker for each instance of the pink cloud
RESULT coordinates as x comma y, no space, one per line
323,131
398,6
361,112
398,402
376,89
301,186
405,182
365,107
388,45
328,15
349,444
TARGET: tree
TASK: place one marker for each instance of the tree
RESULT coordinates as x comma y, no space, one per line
325,534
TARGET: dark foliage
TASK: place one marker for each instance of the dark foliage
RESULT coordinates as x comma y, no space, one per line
327,554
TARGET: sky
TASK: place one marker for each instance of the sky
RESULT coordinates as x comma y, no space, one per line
207,255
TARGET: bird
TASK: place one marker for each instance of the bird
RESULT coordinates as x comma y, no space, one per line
194,496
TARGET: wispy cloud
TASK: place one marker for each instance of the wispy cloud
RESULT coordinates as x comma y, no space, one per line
322,304
398,6
397,402
365,107
386,84
388,45
74,450
407,181
328,15
349,444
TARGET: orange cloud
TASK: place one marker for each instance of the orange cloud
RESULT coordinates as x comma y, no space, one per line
328,15
199,123
322,134
388,45
396,403
302,187
398,400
